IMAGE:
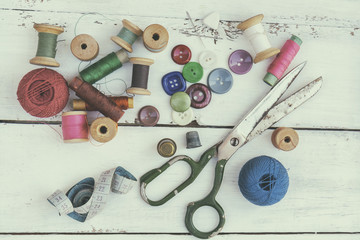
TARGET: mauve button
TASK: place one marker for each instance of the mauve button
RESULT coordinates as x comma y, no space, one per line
240,62
200,95
181,54
149,115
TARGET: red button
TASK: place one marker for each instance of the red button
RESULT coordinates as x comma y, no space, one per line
181,54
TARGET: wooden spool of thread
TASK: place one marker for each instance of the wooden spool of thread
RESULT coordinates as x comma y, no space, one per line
255,33
127,35
75,127
84,47
103,129
282,60
140,75
104,66
155,38
122,102
285,138
43,92
46,50
96,99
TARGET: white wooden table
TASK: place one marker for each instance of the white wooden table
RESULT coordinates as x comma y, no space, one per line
323,200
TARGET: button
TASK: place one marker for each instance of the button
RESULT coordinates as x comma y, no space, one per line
207,59
166,147
285,138
181,54
220,80
240,62
199,94
192,72
183,118
173,82
149,115
180,101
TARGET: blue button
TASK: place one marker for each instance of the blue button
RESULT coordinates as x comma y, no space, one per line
220,80
173,82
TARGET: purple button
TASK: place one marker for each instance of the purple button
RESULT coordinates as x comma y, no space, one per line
200,95
240,62
149,115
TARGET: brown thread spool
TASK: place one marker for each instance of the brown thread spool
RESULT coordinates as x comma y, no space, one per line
96,99
127,35
285,138
122,102
49,58
155,38
140,75
103,129
84,47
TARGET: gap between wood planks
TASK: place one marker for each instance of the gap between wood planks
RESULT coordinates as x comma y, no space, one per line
184,234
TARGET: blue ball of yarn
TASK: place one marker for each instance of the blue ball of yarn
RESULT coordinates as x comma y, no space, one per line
263,181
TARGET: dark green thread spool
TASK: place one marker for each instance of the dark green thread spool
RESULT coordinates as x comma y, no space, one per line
127,35
104,66
46,50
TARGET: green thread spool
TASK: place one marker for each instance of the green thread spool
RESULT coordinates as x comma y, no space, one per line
127,35
104,66
46,50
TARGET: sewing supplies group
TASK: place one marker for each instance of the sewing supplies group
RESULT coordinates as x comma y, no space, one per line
263,180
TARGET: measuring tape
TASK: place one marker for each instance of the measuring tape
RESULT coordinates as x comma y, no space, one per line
87,198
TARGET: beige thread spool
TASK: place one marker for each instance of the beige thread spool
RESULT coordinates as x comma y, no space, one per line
285,138
120,38
255,33
155,38
84,47
103,129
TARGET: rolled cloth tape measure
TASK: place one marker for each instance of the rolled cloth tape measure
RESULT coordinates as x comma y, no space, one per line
87,198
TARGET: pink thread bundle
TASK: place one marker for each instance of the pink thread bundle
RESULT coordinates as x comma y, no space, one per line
75,126
282,60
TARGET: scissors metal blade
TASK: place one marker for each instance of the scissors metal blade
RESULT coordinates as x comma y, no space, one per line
286,106
238,136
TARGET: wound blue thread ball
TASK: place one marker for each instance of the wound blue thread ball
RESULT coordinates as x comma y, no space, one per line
263,181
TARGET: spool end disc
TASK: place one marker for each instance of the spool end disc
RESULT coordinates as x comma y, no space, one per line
250,22
48,28
266,54
44,61
139,91
122,43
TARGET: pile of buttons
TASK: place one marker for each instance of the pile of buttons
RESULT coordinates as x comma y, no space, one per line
198,95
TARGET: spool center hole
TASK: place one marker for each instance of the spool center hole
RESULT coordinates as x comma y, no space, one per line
287,139
156,36
103,129
267,182
83,46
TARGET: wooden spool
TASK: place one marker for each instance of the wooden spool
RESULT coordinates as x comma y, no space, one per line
84,47
47,61
103,129
132,28
285,138
139,90
155,38
250,23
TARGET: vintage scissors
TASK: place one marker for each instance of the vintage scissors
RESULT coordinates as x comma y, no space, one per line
265,114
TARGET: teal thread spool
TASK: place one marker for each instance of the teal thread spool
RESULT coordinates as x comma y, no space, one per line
104,66
127,35
46,51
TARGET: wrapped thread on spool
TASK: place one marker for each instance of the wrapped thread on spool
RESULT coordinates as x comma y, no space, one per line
255,33
96,99
282,60
263,181
46,50
155,38
104,66
122,102
140,76
127,35
75,127
103,129
43,92
84,47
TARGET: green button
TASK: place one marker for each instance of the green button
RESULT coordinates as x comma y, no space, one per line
180,101
192,72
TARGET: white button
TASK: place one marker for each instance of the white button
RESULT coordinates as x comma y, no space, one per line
207,59
183,118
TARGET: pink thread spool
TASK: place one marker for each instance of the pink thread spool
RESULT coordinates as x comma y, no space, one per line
282,60
75,127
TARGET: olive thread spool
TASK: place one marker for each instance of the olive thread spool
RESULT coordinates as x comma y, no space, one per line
140,76
46,50
96,99
103,129
122,102
255,33
84,47
282,60
75,127
104,66
155,38
127,35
